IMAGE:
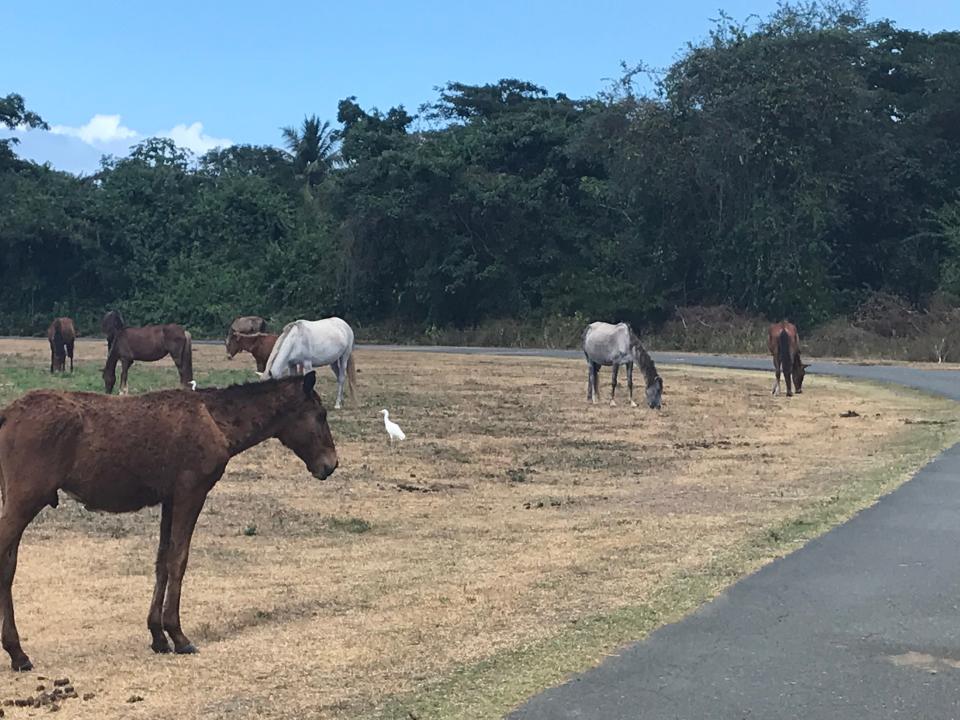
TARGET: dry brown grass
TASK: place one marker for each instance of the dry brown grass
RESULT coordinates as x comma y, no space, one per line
317,599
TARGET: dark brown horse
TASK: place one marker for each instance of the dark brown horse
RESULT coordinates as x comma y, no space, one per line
784,345
257,344
166,448
149,343
62,333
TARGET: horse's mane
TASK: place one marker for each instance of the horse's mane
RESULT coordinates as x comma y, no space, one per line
643,359
112,323
279,344
248,388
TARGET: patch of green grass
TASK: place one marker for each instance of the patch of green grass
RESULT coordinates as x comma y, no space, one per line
16,379
492,687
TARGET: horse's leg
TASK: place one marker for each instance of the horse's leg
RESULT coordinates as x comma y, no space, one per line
155,616
615,370
124,390
70,353
776,371
185,511
589,380
53,358
13,521
595,368
630,383
341,379
788,380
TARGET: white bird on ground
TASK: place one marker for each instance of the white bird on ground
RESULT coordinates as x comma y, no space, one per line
393,430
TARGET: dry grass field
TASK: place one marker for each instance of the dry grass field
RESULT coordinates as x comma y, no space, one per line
517,534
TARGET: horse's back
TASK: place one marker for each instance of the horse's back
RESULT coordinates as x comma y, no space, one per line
603,340
773,335
249,324
329,335
112,453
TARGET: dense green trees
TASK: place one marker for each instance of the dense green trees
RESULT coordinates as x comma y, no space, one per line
791,167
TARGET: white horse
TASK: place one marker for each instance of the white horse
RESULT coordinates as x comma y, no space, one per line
616,345
306,344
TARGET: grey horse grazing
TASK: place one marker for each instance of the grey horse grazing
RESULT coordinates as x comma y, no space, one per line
616,345
306,344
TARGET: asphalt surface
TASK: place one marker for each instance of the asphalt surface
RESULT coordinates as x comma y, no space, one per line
861,623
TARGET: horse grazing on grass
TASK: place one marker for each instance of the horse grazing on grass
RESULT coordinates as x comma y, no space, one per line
260,345
616,345
784,345
148,343
248,325
62,334
314,343
172,450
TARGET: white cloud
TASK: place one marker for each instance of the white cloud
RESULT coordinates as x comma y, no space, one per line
100,129
193,137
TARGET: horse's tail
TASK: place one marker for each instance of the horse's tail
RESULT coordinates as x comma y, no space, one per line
352,376
58,341
786,362
279,354
186,359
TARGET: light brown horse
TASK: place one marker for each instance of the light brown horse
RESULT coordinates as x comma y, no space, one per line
259,345
149,343
166,448
248,324
62,334
784,345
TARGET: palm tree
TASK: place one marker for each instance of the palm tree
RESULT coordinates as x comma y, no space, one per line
312,147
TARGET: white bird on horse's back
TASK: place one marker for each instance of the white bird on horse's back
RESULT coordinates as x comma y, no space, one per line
393,430
314,343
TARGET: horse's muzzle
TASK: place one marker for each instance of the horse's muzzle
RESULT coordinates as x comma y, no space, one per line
326,471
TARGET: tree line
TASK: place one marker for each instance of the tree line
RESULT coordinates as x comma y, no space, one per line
790,166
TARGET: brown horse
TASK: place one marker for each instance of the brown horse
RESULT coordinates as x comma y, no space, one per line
149,343
62,333
172,450
257,344
784,345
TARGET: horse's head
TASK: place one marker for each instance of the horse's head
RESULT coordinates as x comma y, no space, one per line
799,372
655,393
109,377
304,428
233,344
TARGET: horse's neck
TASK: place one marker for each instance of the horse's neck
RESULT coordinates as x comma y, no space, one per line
643,361
248,420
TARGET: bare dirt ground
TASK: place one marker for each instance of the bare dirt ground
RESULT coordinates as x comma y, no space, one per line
512,510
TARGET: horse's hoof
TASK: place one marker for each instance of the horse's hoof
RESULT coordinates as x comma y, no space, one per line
188,649
160,648
613,403
22,665
633,404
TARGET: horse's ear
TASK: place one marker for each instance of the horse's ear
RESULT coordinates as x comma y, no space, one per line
309,382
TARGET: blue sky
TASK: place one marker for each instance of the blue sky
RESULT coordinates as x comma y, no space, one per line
210,73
